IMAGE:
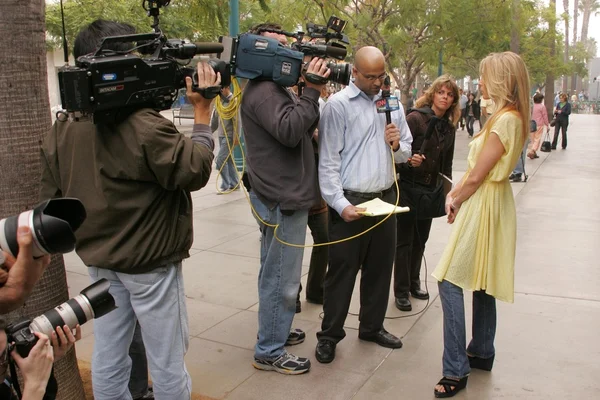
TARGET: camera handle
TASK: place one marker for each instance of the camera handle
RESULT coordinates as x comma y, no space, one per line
51,387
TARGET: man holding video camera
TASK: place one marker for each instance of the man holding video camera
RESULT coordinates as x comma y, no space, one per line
278,128
134,178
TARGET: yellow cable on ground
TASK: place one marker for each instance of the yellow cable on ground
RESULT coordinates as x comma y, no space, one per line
232,112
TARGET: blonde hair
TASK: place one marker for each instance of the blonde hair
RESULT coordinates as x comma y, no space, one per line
507,81
453,111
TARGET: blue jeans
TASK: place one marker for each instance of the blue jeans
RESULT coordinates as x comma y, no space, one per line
229,174
520,167
279,276
156,299
455,362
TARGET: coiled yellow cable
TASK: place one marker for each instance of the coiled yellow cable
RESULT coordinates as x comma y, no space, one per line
232,112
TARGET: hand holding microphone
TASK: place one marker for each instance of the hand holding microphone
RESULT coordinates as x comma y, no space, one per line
386,105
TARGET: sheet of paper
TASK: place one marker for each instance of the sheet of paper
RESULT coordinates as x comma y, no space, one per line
377,207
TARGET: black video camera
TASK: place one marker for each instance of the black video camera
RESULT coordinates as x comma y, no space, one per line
108,83
252,56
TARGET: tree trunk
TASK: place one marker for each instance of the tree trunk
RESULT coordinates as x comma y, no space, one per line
566,53
549,97
574,84
514,31
24,120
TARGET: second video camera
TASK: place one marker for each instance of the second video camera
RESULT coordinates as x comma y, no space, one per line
253,56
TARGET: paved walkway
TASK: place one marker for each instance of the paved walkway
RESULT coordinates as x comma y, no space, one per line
547,342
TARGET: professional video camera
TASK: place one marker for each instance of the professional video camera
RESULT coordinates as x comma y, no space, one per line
109,83
252,56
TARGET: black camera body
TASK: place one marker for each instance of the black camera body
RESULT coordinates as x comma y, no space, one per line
108,83
23,338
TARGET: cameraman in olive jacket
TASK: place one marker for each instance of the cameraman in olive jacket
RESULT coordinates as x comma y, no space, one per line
134,178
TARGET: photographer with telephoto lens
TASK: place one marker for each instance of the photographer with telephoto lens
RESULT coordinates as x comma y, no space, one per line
134,176
17,278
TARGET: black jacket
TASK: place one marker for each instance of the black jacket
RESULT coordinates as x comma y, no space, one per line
278,129
438,150
476,109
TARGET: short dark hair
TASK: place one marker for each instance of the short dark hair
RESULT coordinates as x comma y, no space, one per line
538,97
3,324
89,38
265,27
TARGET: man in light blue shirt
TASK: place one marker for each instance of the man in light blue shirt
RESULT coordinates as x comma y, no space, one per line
357,151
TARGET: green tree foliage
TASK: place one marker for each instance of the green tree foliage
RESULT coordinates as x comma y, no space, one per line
411,33
197,20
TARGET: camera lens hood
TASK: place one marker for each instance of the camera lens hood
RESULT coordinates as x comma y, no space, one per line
54,224
100,299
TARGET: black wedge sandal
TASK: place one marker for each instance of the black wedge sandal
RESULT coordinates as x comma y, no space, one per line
485,364
448,384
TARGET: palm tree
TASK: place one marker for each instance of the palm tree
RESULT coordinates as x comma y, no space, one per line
549,97
587,7
24,120
566,53
575,17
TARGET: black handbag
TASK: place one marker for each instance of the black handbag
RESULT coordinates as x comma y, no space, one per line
423,201
546,145
553,121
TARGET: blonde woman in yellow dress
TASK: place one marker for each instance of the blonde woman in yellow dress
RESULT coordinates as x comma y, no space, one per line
480,254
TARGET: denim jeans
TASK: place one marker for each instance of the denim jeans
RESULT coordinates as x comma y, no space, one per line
520,167
229,174
470,122
156,299
455,362
279,276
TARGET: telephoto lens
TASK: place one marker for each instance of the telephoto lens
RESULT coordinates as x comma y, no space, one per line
93,302
52,224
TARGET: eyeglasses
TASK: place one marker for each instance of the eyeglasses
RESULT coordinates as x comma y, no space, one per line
372,78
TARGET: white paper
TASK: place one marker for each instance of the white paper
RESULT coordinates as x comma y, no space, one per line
377,207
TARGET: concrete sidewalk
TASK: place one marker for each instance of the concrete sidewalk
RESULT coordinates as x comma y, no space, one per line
547,342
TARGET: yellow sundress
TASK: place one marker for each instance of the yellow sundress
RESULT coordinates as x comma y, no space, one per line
480,254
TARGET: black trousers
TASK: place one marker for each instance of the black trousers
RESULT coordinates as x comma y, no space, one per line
319,256
138,380
373,254
560,124
411,237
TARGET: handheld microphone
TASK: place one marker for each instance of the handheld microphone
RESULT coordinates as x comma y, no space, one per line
386,105
429,132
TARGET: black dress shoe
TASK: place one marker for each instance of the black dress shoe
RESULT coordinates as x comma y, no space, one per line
325,351
382,338
403,304
419,294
